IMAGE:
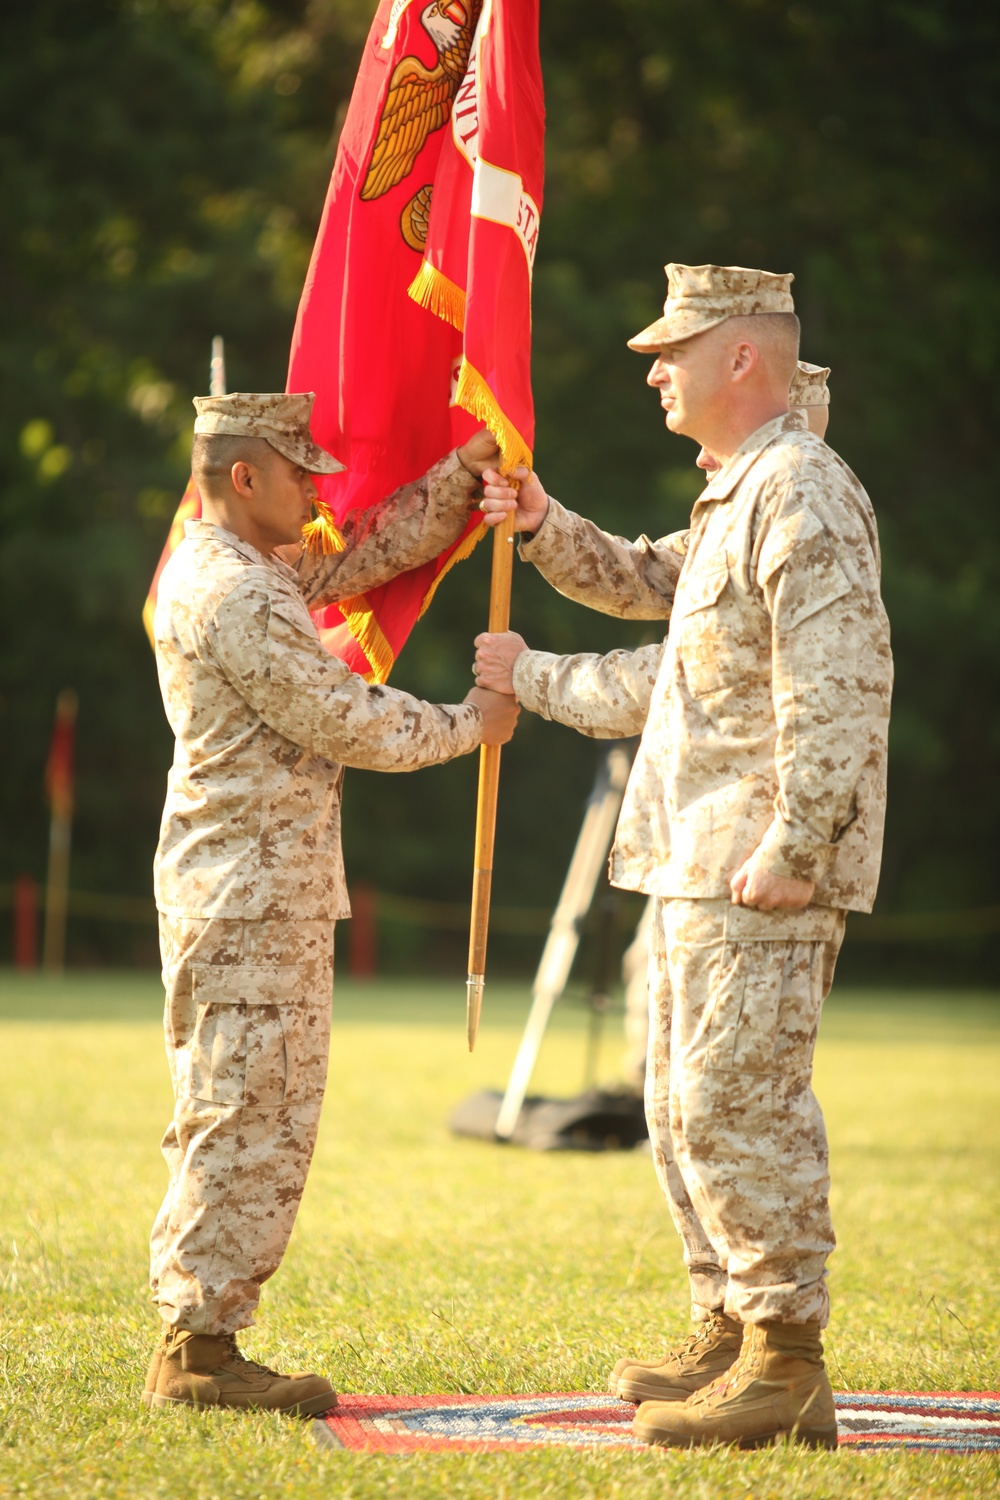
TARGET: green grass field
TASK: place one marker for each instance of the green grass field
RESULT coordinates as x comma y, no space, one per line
421,1263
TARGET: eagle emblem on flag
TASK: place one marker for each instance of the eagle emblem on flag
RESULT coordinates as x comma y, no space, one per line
419,98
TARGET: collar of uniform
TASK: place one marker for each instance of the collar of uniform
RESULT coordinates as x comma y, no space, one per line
747,454
210,532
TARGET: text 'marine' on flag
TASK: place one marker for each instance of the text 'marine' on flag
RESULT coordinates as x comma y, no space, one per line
433,207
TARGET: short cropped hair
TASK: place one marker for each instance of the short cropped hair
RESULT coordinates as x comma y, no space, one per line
214,453
776,336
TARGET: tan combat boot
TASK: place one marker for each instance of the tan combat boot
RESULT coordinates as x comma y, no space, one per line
199,1369
777,1390
704,1355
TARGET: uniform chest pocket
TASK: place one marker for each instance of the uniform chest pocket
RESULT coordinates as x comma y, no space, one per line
242,1047
716,643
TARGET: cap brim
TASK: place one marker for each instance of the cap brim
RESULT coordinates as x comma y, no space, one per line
321,462
308,456
673,329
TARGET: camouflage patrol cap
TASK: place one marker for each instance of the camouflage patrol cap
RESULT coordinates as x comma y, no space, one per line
281,418
808,387
700,297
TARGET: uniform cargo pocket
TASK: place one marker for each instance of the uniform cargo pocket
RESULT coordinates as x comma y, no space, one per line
238,1052
745,1008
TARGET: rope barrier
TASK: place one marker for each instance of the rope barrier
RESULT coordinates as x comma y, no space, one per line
453,916
925,926
527,921
87,904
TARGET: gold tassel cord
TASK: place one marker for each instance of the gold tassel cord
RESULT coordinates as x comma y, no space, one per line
446,300
435,291
322,537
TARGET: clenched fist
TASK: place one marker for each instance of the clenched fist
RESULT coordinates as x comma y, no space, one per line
480,452
755,885
495,658
529,502
499,714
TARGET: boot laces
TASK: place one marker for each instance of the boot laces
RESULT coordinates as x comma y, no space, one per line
748,1363
252,1366
701,1334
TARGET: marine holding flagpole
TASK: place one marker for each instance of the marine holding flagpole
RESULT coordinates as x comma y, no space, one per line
249,878
257,631
753,817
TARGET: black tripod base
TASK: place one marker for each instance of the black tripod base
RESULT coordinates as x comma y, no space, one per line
593,1121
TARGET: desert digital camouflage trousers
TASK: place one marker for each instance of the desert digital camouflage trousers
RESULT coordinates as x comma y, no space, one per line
247,1025
738,1137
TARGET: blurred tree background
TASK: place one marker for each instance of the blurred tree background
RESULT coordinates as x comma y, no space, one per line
164,164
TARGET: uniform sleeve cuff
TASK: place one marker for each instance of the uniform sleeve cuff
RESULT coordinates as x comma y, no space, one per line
470,724
790,850
451,467
533,544
531,680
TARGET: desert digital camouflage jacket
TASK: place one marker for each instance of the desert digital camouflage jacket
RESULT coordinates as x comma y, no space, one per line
767,725
265,719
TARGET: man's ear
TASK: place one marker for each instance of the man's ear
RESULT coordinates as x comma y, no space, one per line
746,357
242,476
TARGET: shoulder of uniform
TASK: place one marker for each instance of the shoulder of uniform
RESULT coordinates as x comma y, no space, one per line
203,575
818,502
807,469
794,449
253,585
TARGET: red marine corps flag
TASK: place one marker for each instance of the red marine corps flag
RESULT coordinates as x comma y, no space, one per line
414,325
415,320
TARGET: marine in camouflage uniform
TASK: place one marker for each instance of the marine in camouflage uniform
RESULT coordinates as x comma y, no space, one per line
608,696
764,733
249,881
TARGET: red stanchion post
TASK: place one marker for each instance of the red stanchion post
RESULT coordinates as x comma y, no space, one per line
59,789
362,955
25,922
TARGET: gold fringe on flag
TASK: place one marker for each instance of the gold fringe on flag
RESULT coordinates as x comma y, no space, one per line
433,290
322,536
465,549
474,395
361,622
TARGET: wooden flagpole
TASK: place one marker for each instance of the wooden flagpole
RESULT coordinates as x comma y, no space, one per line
217,367
486,802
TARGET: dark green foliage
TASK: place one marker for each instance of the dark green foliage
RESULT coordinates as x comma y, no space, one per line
163,168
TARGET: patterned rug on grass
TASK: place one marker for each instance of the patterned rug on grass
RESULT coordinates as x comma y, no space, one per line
959,1421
